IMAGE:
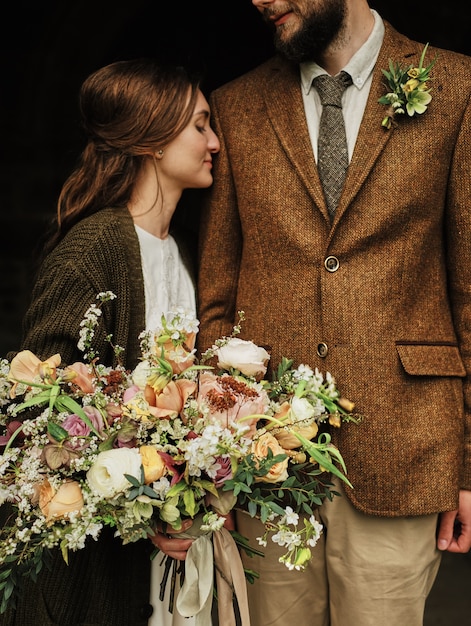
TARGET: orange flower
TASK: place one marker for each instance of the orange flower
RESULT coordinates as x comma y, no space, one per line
172,399
153,464
79,374
260,446
58,504
26,367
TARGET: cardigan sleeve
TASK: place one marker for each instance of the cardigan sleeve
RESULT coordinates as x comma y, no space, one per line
100,254
60,298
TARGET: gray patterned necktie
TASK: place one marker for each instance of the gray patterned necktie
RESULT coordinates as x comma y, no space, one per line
332,155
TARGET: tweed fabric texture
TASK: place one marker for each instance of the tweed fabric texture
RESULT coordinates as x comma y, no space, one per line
395,315
332,149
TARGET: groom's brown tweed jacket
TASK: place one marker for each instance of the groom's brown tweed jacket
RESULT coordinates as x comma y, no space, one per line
394,311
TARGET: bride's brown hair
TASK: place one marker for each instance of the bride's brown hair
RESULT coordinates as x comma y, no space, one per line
129,110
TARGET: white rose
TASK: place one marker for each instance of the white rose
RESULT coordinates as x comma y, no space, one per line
141,374
107,475
301,409
245,356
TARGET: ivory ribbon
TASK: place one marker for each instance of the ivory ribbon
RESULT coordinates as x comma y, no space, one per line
196,594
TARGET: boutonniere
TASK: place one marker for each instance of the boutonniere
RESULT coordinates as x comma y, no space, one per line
409,89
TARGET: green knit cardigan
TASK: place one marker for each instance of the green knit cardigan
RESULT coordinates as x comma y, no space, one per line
105,584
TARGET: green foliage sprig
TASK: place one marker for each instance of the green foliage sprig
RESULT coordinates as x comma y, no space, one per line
409,90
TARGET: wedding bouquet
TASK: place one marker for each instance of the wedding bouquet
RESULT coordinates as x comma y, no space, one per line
86,446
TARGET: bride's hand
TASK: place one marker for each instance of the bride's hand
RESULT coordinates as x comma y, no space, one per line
170,544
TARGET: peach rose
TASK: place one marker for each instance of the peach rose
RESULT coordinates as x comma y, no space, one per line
298,417
171,400
153,464
231,400
59,504
278,471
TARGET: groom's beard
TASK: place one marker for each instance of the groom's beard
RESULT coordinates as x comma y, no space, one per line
316,33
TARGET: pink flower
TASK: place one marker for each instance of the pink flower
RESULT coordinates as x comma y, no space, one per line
10,431
76,427
130,393
230,399
224,472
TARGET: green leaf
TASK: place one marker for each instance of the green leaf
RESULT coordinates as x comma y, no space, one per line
133,480
148,491
133,494
190,503
65,402
64,551
206,485
241,487
108,444
56,431
252,509
176,489
38,399
315,451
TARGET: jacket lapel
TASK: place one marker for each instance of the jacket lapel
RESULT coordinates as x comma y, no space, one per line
283,99
372,137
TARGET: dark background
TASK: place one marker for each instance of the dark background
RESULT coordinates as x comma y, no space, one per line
48,48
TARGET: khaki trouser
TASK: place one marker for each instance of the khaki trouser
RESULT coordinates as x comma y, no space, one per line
365,571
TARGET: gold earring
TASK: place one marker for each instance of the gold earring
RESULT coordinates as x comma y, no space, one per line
160,153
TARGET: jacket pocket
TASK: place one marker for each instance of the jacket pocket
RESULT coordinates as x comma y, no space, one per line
431,359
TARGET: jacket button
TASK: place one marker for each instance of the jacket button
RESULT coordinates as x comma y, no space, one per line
322,350
331,264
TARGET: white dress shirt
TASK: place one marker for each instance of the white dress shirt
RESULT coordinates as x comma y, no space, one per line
360,67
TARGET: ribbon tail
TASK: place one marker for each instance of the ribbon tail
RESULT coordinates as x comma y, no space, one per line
230,579
195,597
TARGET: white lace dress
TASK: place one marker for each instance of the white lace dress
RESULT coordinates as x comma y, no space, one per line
167,285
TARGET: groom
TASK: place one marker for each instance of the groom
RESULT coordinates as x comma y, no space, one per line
378,292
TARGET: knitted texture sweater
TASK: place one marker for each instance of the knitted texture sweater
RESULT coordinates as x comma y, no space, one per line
100,253
105,584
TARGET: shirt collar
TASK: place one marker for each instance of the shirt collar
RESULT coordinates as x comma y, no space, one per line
360,65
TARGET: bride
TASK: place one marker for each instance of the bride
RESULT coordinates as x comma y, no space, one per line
148,138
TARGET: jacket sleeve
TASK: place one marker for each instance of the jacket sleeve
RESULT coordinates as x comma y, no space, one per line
220,249
458,220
